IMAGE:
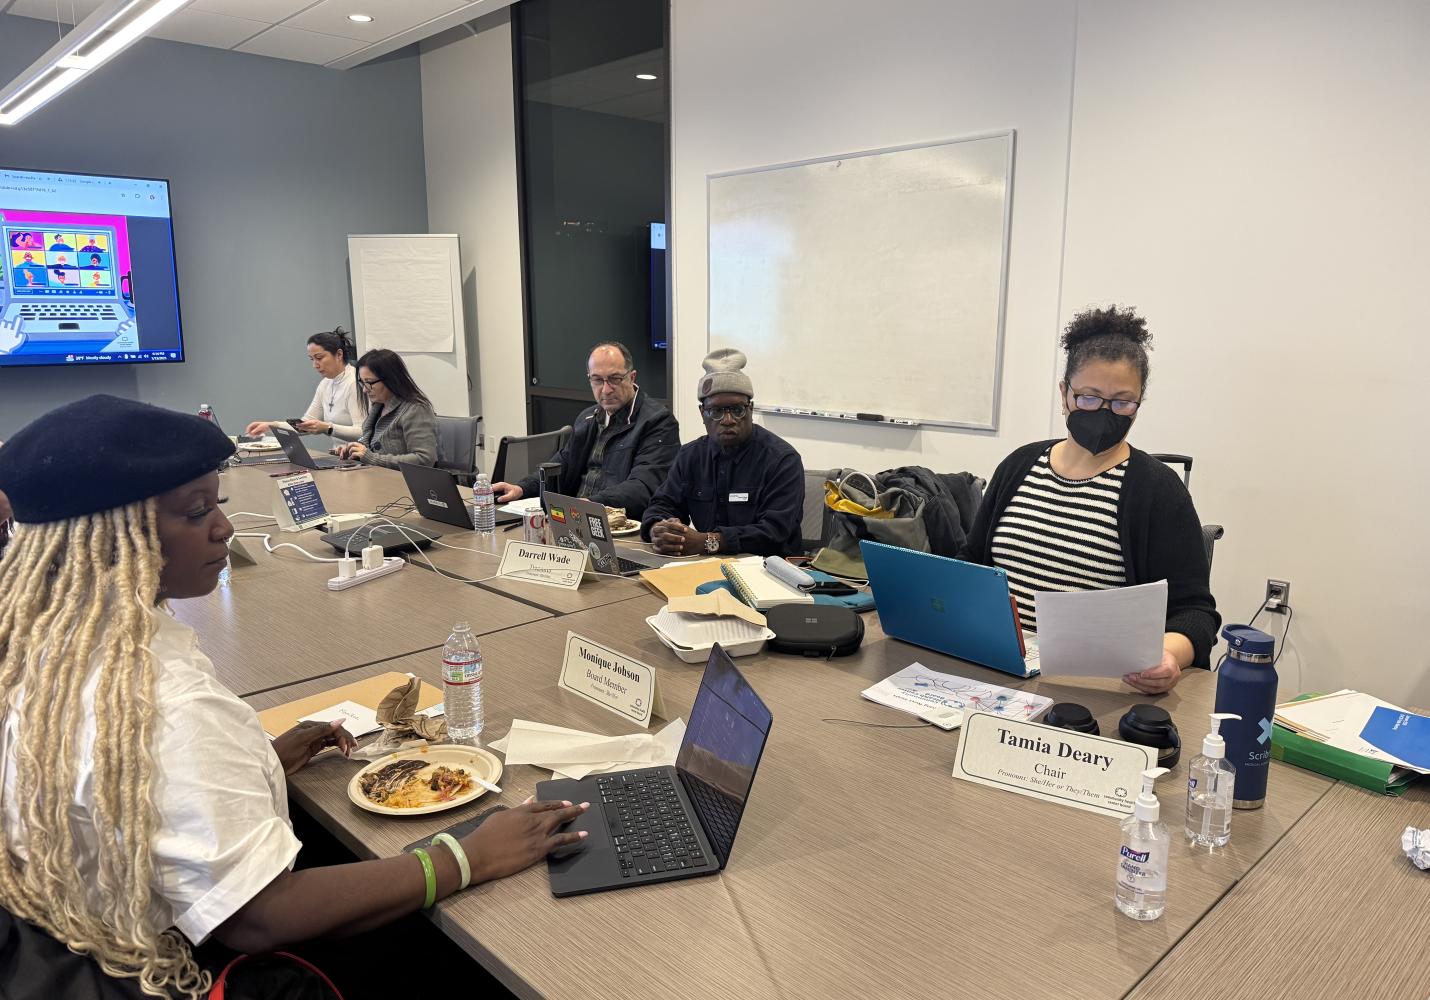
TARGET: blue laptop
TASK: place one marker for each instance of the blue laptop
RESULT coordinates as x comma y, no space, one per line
954,607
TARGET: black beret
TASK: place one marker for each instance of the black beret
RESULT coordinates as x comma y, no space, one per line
104,452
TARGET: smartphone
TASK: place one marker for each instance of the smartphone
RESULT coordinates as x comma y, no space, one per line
832,588
293,422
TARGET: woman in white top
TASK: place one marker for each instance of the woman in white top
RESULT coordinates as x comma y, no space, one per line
143,808
337,408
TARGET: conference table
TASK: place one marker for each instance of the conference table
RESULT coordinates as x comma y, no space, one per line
861,867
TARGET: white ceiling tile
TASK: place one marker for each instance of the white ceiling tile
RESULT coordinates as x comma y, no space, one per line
271,11
201,27
282,42
44,10
389,17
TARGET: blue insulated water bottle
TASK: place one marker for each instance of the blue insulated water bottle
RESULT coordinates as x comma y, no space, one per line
1246,686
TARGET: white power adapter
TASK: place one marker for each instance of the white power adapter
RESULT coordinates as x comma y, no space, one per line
372,557
356,576
338,523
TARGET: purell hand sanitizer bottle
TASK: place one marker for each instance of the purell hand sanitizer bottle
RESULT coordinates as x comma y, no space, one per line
1142,864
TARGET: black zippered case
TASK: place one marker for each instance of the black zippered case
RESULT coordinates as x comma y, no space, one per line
814,629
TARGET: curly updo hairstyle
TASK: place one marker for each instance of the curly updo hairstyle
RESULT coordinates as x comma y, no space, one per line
1111,334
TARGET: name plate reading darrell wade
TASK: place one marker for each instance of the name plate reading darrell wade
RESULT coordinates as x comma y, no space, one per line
1056,765
610,679
548,565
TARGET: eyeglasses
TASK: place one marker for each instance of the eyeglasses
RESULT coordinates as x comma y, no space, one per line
370,382
1121,407
715,414
614,381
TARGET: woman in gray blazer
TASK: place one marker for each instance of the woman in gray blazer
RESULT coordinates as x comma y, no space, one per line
401,425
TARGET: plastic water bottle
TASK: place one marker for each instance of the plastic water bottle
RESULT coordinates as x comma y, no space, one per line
462,685
484,511
206,411
1246,686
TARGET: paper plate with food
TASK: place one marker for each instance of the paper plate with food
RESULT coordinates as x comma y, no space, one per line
266,444
424,780
621,525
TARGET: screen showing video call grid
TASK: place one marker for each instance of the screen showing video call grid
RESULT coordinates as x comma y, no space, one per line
89,270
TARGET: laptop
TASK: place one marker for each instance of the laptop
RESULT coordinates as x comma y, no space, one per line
658,824
435,495
63,283
582,524
292,444
954,607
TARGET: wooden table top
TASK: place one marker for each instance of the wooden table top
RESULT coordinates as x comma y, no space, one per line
858,853
1335,910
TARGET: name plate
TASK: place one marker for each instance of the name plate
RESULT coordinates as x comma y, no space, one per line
298,504
1056,765
548,565
612,680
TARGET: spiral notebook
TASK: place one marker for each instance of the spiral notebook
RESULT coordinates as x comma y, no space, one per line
758,587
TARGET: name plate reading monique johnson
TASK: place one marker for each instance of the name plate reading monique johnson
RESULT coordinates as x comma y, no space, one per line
610,679
1052,764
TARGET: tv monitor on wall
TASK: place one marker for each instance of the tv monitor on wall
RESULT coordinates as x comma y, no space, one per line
88,275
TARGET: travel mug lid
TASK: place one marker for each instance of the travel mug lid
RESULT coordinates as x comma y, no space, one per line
1243,639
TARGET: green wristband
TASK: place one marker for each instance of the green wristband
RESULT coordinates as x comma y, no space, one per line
458,853
429,874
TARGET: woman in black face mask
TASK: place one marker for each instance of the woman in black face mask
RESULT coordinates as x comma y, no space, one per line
1090,511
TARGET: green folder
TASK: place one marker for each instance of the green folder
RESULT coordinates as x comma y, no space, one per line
1377,775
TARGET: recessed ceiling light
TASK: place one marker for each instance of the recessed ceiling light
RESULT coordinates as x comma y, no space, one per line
646,76
360,18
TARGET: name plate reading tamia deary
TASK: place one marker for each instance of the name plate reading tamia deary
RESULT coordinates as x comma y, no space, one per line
1052,764
548,565
610,679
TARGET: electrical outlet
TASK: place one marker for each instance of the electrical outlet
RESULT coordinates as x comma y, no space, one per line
1280,592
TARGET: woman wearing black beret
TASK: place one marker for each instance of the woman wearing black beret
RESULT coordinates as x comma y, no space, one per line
144,809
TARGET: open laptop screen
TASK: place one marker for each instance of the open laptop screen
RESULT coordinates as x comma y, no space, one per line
724,740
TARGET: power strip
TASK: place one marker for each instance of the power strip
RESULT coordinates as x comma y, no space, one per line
389,565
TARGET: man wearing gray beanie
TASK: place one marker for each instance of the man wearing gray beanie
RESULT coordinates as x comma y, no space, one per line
738,489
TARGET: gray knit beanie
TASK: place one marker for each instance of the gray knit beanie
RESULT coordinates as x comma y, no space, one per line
724,372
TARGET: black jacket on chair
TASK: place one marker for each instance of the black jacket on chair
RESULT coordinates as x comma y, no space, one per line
636,461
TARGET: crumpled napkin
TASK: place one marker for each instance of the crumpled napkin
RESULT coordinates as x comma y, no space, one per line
1416,844
402,725
573,753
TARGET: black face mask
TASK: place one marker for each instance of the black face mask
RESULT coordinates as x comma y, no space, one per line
1098,430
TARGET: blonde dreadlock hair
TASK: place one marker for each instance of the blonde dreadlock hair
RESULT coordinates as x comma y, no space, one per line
61,581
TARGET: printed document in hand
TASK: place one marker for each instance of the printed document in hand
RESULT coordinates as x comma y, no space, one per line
1102,633
916,689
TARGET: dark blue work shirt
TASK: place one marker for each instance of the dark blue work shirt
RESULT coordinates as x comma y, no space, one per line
754,497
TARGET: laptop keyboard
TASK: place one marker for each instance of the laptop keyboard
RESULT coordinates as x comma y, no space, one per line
717,810
647,823
626,566
68,312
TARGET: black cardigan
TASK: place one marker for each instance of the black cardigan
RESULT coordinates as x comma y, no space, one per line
1159,529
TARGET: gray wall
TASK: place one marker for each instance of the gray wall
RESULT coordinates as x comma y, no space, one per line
272,165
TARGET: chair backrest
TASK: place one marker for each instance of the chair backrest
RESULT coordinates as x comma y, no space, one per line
457,439
519,457
814,521
1210,532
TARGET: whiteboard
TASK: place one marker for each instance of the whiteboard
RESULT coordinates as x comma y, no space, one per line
868,283
407,297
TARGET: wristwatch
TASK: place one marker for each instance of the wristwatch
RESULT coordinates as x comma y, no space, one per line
712,542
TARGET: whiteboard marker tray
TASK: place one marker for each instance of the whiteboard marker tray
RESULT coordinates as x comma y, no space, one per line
691,637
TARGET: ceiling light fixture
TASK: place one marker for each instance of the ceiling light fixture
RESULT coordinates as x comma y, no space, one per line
360,18
113,27
646,76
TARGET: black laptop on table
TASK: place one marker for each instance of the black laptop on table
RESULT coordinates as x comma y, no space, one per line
292,444
435,495
658,824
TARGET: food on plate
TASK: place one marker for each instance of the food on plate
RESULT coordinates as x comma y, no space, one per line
618,519
411,784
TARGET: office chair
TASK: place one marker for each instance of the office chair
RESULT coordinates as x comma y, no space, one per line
519,457
815,519
1210,532
458,439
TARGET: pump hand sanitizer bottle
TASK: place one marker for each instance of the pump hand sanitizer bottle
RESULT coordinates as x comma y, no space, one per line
1210,781
1142,865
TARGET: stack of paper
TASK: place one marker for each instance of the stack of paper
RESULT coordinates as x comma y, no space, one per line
572,753
522,507
1337,720
916,689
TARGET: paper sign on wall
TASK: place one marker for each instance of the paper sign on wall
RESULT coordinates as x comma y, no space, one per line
548,565
610,679
1052,764
298,504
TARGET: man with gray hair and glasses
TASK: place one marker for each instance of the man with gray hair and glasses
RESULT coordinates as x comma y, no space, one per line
620,449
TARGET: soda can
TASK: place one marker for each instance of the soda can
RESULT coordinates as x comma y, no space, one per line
534,527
